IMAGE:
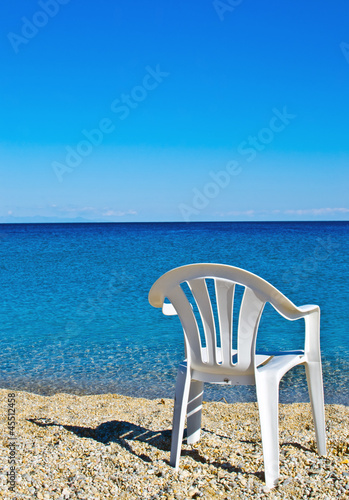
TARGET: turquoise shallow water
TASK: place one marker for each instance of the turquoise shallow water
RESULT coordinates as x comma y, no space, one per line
74,313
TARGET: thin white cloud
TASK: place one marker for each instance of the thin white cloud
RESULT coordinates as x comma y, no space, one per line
118,213
90,212
307,211
75,210
250,213
317,211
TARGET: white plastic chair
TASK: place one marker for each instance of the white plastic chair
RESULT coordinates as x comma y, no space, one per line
225,365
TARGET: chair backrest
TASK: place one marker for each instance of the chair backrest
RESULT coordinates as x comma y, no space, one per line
214,358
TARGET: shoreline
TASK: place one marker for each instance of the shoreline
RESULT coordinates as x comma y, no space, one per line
234,394
110,446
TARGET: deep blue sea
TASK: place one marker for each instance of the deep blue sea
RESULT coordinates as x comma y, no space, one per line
75,317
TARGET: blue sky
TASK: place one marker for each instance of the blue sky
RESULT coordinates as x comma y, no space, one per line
165,111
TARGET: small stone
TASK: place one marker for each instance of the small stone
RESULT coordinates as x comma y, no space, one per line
315,471
66,493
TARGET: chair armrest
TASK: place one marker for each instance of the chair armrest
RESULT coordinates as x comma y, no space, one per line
308,308
312,335
168,309
291,311
311,315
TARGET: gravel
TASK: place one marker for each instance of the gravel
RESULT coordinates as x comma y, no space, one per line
115,447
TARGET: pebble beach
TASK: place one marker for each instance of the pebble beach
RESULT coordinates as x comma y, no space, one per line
116,447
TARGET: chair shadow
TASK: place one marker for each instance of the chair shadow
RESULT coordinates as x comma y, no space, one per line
117,431
122,432
298,446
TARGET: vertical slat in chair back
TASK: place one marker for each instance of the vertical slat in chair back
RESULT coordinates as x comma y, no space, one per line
250,312
225,299
203,301
186,315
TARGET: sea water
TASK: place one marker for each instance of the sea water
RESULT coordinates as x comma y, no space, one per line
75,316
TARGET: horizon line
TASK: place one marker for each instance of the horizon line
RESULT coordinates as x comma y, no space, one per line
175,222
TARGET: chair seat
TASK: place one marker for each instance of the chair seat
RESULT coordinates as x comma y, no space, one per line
277,363
261,358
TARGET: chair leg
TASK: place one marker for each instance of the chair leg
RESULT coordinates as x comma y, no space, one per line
179,413
194,411
268,399
314,379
